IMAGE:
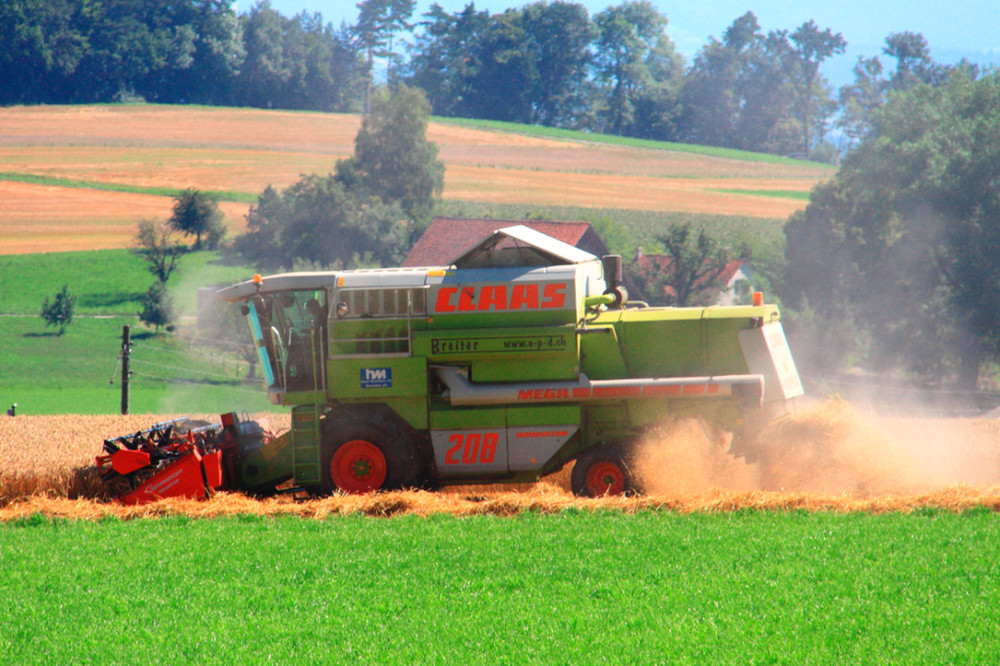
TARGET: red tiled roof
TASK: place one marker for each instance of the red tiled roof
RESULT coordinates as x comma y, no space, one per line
446,238
730,270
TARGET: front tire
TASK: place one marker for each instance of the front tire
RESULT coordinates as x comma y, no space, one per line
368,452
602,471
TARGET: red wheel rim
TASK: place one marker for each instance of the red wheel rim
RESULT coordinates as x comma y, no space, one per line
605,478
358,467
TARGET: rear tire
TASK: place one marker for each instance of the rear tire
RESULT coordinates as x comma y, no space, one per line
368,452
604,470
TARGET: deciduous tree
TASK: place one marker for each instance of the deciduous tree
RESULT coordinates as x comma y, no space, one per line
441,62
393,160
689,271
158,247
559,35
197,213
636,66
801,53
60,311
905,241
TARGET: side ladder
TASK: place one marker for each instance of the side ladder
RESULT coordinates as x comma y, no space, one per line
306,445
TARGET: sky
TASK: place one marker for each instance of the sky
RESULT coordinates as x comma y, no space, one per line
963,28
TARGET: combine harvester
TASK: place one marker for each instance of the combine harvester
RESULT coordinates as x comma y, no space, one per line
522,356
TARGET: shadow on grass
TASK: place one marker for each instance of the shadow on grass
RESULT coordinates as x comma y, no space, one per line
44,334
109,299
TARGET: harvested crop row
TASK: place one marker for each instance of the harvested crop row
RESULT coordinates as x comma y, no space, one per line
541,498
826,458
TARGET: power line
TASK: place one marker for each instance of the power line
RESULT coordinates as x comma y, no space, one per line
190,382
183,369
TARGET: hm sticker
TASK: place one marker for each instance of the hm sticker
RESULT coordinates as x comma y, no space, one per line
376,377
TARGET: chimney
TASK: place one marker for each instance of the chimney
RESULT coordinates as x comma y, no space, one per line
638,252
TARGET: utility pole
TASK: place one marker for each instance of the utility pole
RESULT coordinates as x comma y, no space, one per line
126,349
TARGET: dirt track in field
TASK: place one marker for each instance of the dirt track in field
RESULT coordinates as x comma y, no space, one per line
826,458
244,150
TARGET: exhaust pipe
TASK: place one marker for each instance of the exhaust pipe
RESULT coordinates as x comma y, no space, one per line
612,264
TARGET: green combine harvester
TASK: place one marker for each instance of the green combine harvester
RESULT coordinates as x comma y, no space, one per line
520,357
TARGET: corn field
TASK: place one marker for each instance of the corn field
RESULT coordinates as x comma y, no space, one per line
827,458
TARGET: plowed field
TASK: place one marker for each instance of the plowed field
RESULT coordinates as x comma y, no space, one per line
825,458
244,150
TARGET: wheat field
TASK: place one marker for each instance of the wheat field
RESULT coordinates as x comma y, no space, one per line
826,458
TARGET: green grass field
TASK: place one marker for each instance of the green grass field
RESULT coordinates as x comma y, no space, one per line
106,282
570,588
218,195
78,372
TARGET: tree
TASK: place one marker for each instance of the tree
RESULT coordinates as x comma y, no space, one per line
159,248
913,60
197,213
157,307
801,53
265,70
504,71
365,213
60,311
440,61
378,21
689,271
861,99
319,222
393,160
219,56
732,95
636,65
43,41
558,36
904,241
710,102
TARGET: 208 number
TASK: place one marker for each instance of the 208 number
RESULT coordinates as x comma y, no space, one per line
472,448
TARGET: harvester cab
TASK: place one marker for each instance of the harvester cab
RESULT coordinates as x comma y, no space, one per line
289,328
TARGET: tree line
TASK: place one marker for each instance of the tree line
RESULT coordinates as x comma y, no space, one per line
546,63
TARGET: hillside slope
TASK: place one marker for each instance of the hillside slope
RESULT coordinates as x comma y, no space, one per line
80,177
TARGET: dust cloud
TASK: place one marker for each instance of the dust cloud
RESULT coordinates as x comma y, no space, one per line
827,448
